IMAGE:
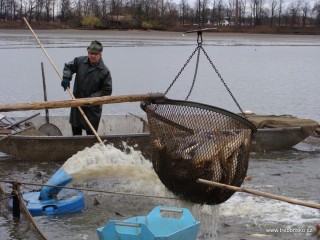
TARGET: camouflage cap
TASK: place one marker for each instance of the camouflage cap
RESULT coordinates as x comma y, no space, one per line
95,47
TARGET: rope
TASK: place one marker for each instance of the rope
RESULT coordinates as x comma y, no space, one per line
90,190
7,175
4,192
10,196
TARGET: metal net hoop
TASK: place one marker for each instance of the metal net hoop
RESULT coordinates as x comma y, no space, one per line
192,140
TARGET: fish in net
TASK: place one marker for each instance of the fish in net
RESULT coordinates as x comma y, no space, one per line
191,141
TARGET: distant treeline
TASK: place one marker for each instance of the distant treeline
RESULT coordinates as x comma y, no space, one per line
163,14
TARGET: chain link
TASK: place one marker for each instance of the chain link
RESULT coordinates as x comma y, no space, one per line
195,74
184,66
222,80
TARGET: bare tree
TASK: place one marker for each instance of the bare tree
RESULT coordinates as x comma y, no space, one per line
184,9
280,9
230,10
273,5
47,6
65,12
305,12
293,11
201,7
256,11
53,11
204,11
213,12
20,10
220,8
316,10
39,9
11,5
242,11
85,7
104,6
159,13
31,9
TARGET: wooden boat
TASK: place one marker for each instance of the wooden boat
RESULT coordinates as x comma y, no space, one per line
274,133
280,132
36,146
34,140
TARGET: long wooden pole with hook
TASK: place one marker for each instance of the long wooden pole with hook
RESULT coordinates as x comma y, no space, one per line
60,76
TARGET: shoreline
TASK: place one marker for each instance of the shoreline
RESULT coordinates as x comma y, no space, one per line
148,32
151,35
274,30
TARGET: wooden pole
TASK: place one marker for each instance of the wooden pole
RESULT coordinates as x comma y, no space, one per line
15,202
60,76
263,194
44,91
79,102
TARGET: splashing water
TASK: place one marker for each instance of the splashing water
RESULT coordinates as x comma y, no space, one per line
133,173
107,162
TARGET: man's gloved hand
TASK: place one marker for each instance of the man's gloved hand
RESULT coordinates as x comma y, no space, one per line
65,83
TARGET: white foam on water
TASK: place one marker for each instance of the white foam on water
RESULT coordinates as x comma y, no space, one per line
107,162
135,174
259,210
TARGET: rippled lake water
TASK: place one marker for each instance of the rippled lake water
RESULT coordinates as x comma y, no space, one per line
267,74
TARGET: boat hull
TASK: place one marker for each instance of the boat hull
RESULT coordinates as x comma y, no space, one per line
133,130
274,139
60,148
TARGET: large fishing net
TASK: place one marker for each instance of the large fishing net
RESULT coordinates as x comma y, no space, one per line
194,141
191,141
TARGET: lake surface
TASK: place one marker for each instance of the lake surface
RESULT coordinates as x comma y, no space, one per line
267,74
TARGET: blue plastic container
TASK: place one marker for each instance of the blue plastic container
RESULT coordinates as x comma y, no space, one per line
60,178
70,202
154,226
49,201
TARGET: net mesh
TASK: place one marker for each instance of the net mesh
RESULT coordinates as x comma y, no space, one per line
192,141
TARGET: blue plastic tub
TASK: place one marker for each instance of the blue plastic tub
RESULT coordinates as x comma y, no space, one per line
179,224
72,201
49,201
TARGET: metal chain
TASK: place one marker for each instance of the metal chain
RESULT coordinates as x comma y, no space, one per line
184,66
195,74
222,80
199,41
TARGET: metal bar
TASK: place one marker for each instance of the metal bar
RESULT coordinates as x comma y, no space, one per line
21,121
